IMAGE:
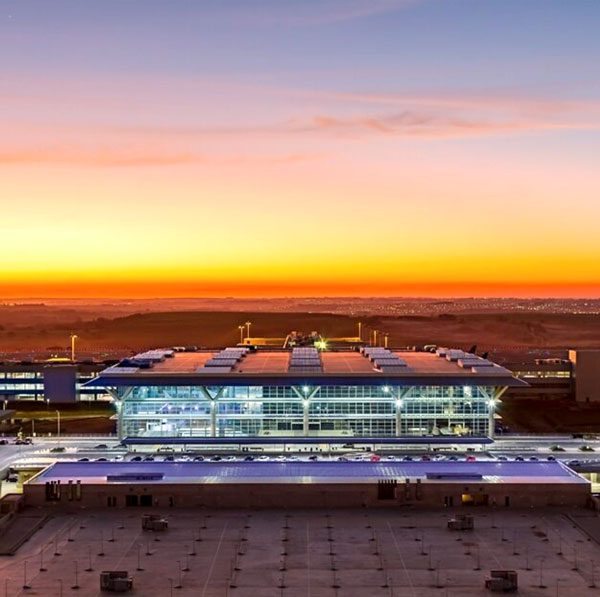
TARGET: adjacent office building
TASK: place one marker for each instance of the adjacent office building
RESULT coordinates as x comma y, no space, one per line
54,382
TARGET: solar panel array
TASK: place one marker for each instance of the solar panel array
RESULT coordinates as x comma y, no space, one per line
146,360
214,370
305,359
468,360
118,370
224,361
156,355
384,359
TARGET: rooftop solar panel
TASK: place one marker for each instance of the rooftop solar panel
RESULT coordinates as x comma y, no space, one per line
214,370
122,370
220,363
466,363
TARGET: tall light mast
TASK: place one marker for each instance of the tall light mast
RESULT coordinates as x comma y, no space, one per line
73,338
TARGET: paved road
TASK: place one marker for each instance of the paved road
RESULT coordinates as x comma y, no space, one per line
77,447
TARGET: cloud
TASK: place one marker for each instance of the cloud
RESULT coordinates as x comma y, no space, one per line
427,125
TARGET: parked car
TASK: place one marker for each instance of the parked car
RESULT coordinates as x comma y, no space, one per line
519,459
198,458
426,458
471,458
557,448
586,448
101,447
313,457
3,442
83,460
246,458
136,459
149,459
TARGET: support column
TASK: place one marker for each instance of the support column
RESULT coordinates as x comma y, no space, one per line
213,417
398,403
119,399
493,402
305,409
305,395
213,407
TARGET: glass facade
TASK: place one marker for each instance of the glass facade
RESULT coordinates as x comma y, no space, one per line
354,411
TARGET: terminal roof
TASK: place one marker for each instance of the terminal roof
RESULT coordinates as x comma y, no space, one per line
280,367
306,472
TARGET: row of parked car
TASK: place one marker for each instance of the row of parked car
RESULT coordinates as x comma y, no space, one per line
19,441
295,458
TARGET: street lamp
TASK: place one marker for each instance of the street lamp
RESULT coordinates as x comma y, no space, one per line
241,328
73,338
58,424
248,324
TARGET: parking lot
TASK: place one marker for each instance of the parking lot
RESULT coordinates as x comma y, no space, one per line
314,553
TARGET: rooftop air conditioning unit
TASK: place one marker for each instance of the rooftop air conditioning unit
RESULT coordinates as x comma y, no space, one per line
154,522
502,581
116,581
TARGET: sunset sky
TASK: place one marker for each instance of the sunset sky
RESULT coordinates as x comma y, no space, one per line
299,147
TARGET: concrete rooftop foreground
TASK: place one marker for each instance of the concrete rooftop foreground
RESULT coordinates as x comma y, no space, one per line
314,553
488,471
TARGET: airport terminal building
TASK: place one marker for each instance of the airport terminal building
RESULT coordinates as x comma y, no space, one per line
304,392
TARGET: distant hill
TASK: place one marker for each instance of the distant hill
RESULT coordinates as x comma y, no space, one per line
218,328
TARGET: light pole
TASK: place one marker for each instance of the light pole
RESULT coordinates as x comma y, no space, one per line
241,328
73,338
248,324
360,330
58,424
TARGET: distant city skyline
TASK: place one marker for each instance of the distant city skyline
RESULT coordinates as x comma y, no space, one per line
266,148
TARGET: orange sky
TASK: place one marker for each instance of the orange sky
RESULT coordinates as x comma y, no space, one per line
325,158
